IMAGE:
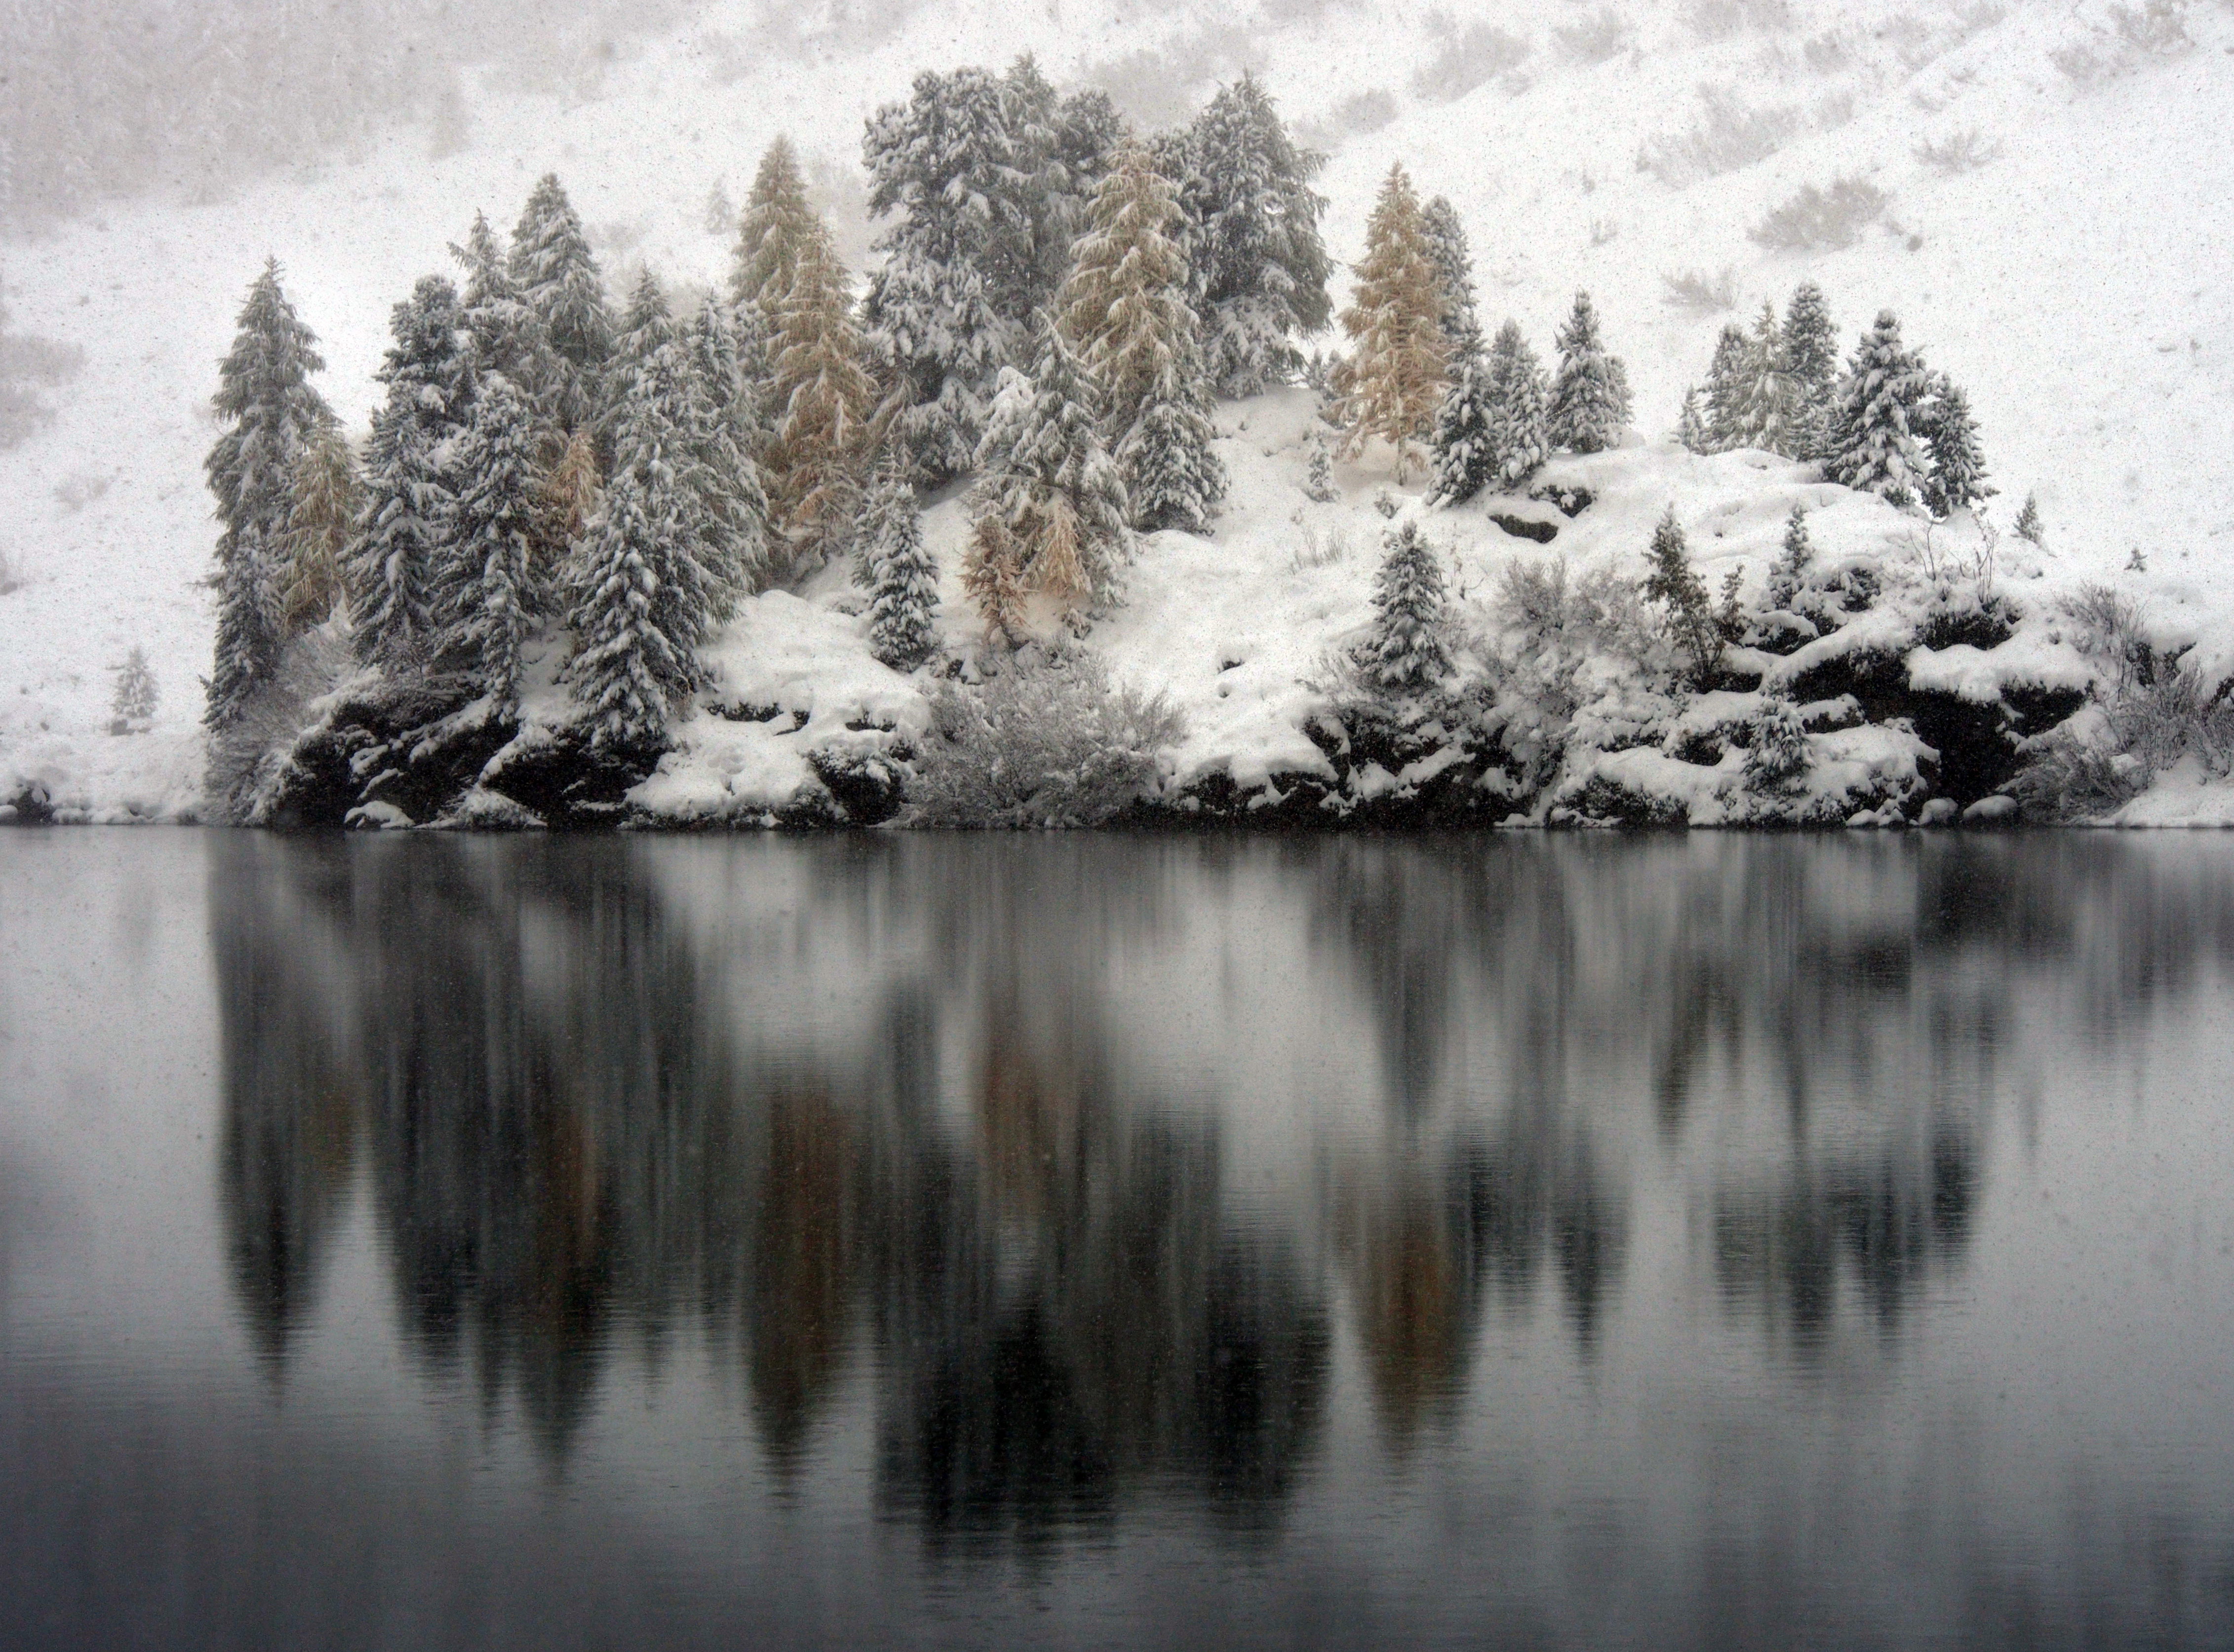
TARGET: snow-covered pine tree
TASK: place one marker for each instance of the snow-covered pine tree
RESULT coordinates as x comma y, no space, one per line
505,333
390,564
777,223
2029,528
645,327
1466,459
1872,445
1397,371
323,501
724,437
1252,235
1051,485
1124,310
1519,438
558,280
264,397
133,707
1766,412
1065,147
1674,584
1691,425
903,579
1405,649
1726,389
1958,464
1447,251
485,596
1810,360
1589,395
1776,750
644,596
1788,574
1319,479
823,396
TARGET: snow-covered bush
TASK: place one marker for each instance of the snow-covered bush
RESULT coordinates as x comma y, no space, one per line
1466,60
2158,29
1776,749
1727,136
1042,744
1696,293
134,708
1817,220
1958,153
1594,40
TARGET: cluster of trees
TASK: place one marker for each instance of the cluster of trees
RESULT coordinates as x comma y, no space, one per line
1888,425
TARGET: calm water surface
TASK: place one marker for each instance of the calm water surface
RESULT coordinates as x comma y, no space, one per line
1493,1241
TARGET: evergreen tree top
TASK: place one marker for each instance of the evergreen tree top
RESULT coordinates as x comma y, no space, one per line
1247,186
272,354
776,219
1579,334
1447,248
1811,343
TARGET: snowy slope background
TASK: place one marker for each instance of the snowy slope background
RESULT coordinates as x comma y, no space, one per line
2073,283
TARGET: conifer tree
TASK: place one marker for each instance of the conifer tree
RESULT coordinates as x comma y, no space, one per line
1776,755
133,706
1765,415
1788,574
1465,453
407,495
323,501
822,394
724,440
558,280
505,335
1726,389
1811,361
1124,310
1050,489
903,579
645,327
777,223
1397,375
2029,523
485,596
265,398
1318,479
1958,464
1447,251
1252,236
564,504
1518,434
1590,396
1405,650
1674,584
1873,439
644,596
1691,425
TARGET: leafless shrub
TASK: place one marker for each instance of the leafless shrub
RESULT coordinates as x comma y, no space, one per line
1727,136
1594,40
1315,549
1821,219
75,493
1720,19
1367,112
1047,744
2081,65
1827,53
1603,230
1958,153
1466,61
1696,293
2158,29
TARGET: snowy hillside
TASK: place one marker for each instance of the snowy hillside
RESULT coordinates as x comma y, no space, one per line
2052,235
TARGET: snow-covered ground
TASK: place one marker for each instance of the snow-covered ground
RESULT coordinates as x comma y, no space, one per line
2072,283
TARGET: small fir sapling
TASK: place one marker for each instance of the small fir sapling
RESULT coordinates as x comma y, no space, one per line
1464,451
1517,433
1726,389
1788,574
1729,617
1590,394
1385,502
1674,584
1318,481
1776,753
1811,362
2029,523
1958,464
902,578
1691,427
1873,445
1405,650
133,707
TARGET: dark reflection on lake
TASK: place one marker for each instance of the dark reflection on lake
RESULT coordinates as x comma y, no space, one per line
1079,1241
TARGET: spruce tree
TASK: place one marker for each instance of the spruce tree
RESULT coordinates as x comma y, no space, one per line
724,438
1466,453
1589,395
1691,425
1674,584
1776,751
265,398
1397,373
408,496
1252,236
1811,361
1958,464
822,394
1873,444
1726,377
1787,575
558,280
1766,414
1447,251
903,579
1519,435
1319,479
2029,528
1124,310
132,706
484,596
324,499
1405,650
505,333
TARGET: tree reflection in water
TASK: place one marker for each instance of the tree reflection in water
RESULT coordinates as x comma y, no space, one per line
981,1121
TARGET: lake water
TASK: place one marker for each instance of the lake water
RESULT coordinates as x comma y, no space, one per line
1079,1241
